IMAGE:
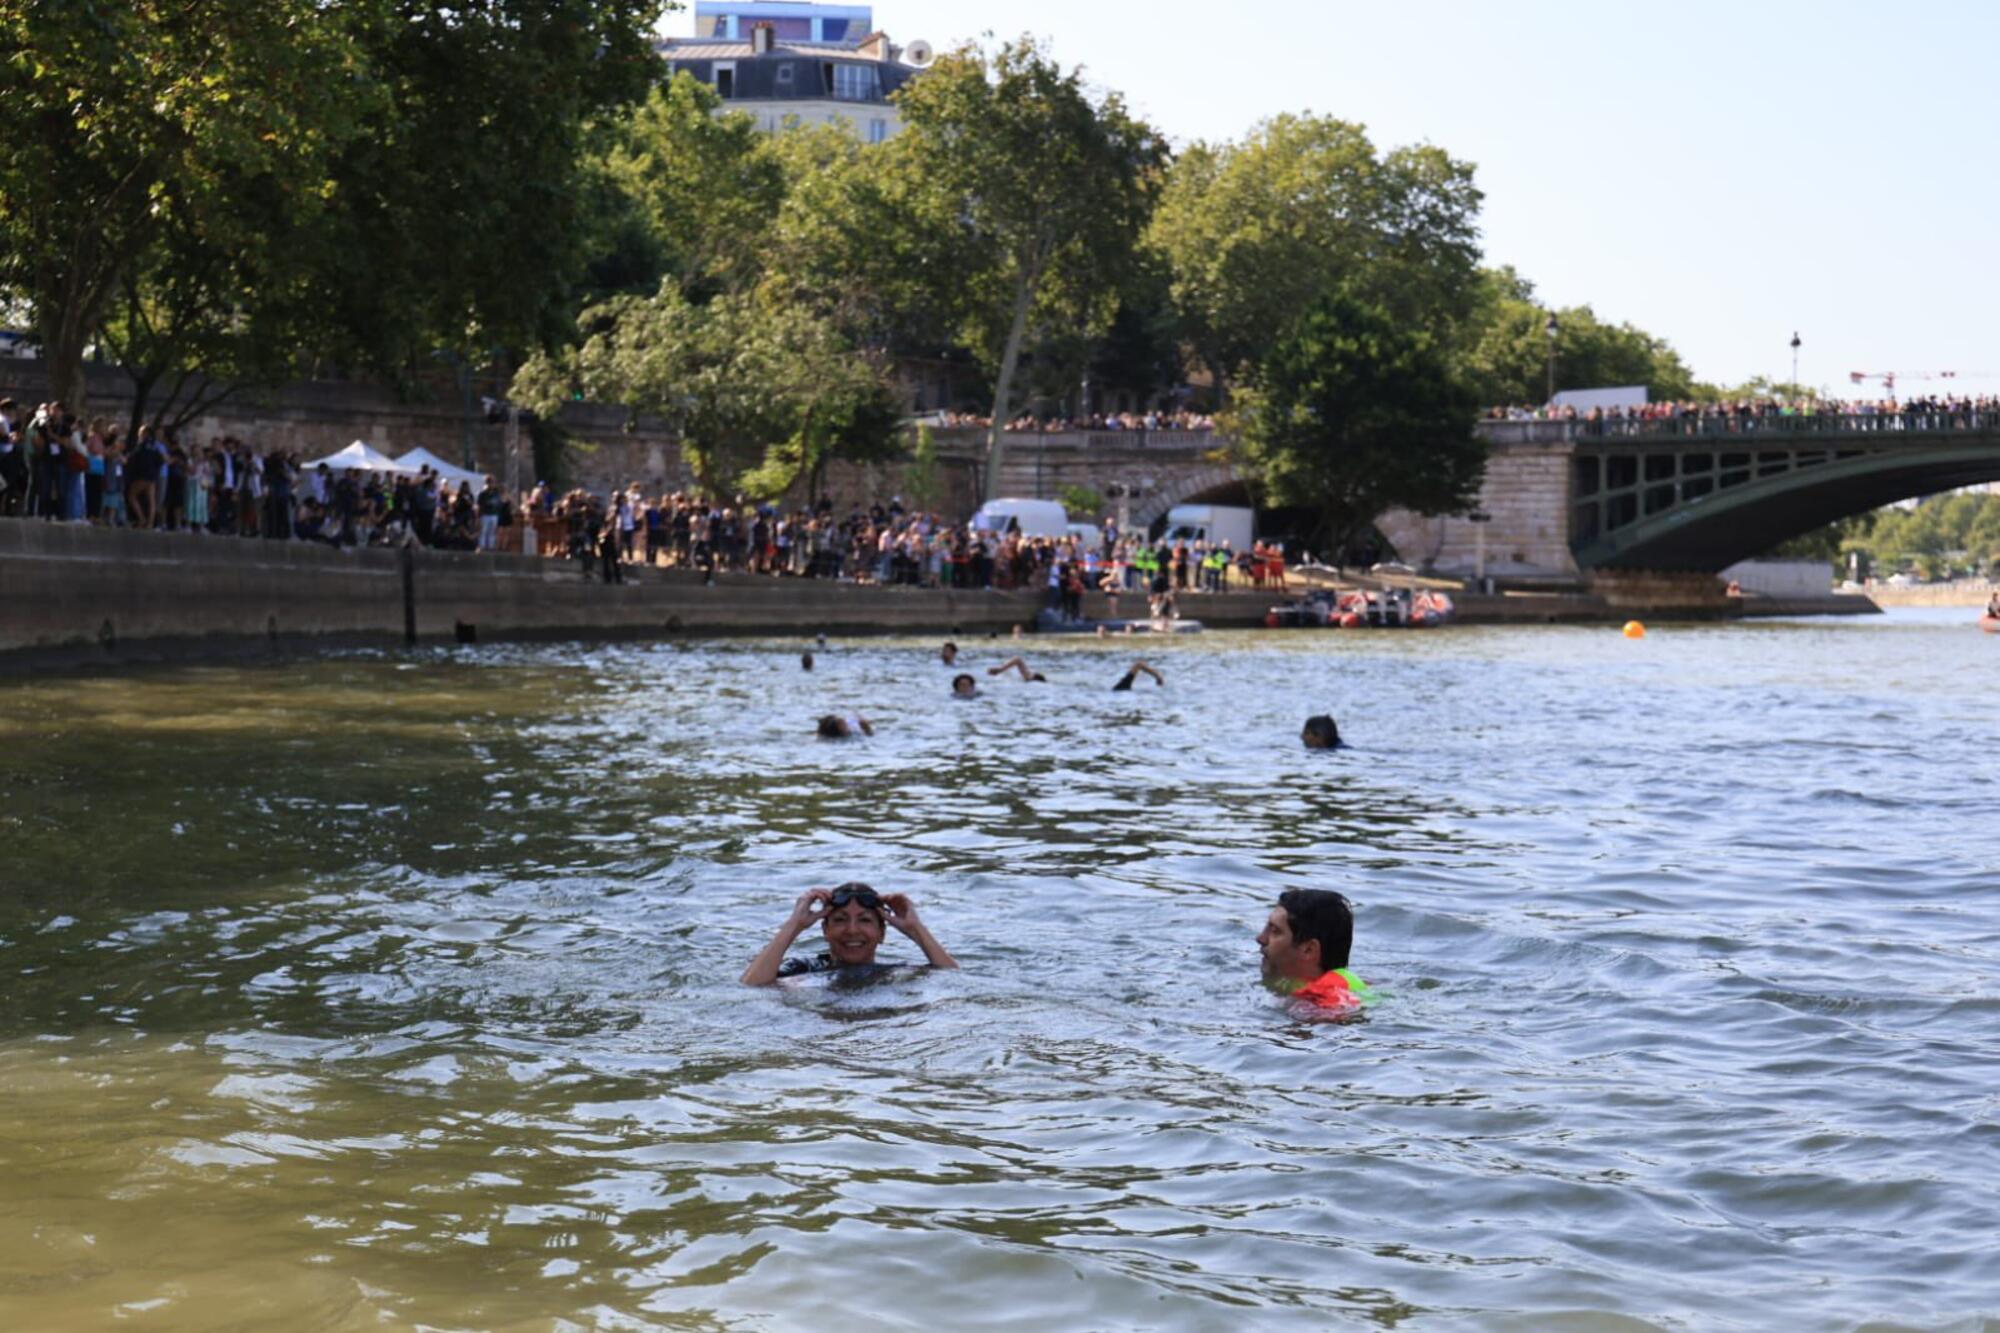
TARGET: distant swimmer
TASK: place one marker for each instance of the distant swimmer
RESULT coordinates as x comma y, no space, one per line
805,661
1320,733
949,653
854,919
963,686
839,726
1305,944
1138,669
1020,665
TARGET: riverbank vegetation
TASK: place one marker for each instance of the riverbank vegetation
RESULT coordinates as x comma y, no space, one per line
1945,536
219,197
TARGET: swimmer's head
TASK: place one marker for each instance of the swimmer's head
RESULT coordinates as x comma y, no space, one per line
1310,931
1017,631
833,728
1320,733
806,661
963,686
949,653
853,924
1103,632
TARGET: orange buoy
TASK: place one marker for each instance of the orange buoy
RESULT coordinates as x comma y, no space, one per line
1634,630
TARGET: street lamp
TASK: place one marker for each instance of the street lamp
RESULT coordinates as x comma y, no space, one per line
1795,361
1552,330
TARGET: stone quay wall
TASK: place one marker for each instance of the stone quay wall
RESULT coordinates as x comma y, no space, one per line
1526,496
71,594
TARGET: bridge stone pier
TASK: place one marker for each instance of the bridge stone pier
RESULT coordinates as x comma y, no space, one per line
1525,504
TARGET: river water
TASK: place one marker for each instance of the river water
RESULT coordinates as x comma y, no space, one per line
386,990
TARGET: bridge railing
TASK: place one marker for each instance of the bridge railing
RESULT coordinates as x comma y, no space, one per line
973,439
1920,420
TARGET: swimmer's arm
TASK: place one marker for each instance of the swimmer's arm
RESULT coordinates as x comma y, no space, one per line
763,969
902,914
1158,679
867,727
1012,664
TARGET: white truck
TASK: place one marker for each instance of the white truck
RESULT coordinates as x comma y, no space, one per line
1212,524
1037,518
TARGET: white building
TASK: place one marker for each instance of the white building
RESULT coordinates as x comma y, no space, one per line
786,82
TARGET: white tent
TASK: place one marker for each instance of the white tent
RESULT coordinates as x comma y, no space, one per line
418,459
358,457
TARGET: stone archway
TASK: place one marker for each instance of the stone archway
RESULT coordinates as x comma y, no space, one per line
1182,486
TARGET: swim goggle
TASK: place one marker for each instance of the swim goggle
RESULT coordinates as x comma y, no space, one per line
841,897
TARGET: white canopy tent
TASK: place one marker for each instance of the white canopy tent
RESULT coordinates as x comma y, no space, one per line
418,459
358,457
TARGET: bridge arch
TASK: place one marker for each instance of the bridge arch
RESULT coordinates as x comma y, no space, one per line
1744,512
1211,483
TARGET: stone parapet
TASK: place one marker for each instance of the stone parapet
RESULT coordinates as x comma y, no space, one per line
1526,498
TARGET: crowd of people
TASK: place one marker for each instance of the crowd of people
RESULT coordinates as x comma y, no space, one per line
1929,412
57,466
883,543
1029,423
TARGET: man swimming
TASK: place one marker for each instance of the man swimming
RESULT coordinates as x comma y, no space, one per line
964,686
1320,733
853,919
949,653
1305,943
840,726
1125,681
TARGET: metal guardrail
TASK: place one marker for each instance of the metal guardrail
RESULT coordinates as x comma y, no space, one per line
1919,421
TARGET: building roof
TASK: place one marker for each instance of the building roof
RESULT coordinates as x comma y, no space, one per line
789,71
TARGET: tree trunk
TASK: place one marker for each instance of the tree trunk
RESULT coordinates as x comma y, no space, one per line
64,333
1003,384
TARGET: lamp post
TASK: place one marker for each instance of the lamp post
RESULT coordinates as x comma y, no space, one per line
1795,361
1552,329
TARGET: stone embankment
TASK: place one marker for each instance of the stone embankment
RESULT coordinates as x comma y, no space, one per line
70,594
76,594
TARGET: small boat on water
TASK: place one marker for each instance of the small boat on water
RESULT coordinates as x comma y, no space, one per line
1383,608
1049,622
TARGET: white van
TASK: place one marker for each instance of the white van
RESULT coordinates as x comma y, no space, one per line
1088,537
1212,524
1036,518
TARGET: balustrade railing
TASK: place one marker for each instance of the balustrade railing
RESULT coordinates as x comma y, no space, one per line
1916,420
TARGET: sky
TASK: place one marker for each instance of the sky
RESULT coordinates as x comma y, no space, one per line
1719,174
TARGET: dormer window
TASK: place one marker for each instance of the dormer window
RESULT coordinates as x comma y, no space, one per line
783,76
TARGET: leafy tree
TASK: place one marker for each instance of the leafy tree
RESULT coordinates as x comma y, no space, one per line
1354,412
920,478
1256,232
1039,191
129,118
465,210
1507,350
706,186
1081,502
762,395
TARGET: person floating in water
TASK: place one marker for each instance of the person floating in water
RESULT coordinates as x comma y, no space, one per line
949,653
854,918
1320,733
840,726
964,686
1305,944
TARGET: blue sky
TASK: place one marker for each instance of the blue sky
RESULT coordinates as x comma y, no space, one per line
1718,174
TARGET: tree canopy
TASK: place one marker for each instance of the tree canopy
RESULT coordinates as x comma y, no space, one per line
1256,232
1353,412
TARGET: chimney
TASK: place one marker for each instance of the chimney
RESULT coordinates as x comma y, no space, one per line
760,39
875,46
